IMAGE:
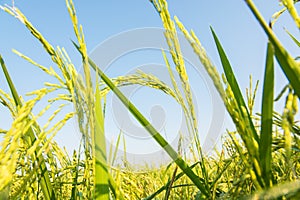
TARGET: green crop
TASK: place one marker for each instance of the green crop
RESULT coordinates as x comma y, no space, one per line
258,160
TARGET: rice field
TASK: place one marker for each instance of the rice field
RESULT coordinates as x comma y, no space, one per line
258,160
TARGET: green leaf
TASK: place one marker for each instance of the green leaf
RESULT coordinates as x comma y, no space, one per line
10,83
245,123
112,158
233,83
101,169
293,38
265,145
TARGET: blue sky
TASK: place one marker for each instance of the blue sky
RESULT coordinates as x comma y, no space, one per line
240,34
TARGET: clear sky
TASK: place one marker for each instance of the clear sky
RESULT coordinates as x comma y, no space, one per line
103,21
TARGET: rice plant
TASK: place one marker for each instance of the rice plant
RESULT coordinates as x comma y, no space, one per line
258,160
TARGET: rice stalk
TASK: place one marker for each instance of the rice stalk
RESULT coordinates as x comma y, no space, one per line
68,79
28,132
8,102
50,71
174,48
178,96
177,57
140,78
287,122
84,104
276,150
289,66
289,4
232,98
203,57
149,80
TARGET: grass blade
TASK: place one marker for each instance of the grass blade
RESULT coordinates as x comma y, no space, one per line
289,4
289,66
233,82
245,124
293,38
113,157
169,188
101,169
10,83
265,145
45,180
